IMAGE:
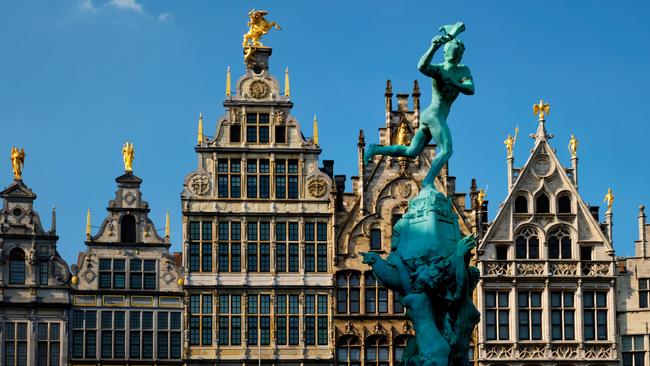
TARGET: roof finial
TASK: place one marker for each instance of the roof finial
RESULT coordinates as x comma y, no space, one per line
541,109
228,82
287,88
315,130
88,224
199,137
167,226
17,162
128,154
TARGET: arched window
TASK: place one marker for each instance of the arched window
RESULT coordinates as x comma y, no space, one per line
559,244
127,229
541,204
399,345
348,293
527,244
564,204
377,353
376,296
17,267
348,351
521,204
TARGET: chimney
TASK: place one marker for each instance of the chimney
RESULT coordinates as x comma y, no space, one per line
328,167
402,102
594,211
339,181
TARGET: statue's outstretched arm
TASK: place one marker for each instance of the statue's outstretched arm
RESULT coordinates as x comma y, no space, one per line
424,65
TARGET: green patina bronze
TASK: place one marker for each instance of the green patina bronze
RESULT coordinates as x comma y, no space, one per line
428,266
450,78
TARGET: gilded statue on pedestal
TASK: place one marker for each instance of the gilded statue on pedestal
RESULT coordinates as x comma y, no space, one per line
258,26
17,162
128,154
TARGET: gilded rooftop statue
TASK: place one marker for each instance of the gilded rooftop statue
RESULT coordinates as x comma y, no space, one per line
258,26
128,154
449,79
17,162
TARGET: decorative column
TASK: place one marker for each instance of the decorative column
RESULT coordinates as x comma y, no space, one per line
244,249
579,321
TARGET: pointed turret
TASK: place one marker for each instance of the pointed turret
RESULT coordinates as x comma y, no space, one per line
88,224
199,137
315,130
167,228
53,226
287,88
228,82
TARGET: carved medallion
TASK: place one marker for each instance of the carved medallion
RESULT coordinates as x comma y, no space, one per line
317,186
199,184
542,166
129,198
258,89
404,190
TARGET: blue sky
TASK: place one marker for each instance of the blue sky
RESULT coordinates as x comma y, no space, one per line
79,78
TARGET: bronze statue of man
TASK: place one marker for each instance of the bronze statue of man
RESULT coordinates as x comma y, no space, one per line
449,79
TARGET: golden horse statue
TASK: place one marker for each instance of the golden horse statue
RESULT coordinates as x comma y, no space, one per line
258,26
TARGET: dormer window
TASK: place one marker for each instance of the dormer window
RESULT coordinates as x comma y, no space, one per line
541,204
257,127
527,244
17,267
127,229
521,204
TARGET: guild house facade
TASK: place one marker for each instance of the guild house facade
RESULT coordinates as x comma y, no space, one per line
126,289
258,224
271,272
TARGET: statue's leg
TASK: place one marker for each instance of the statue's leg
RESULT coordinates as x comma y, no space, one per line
421,138
441,134
433,347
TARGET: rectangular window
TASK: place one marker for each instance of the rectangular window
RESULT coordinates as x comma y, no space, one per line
200,319
200,251
562,315
286,256
142,274
502,252
633,350
258,178
169,335
287,320
398,308
286,178
84,334
316,319
259,252
15,351
43,273
496,317
229,178
48,347
257,127
229,246
280,134
230,319
530,315
315,247
112,273
644,290
595,315
375,239
259,321
235,133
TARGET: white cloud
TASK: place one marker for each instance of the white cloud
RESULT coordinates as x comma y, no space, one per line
164,17
87,5
127,5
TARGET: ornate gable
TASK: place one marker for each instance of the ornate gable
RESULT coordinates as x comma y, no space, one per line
543,175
